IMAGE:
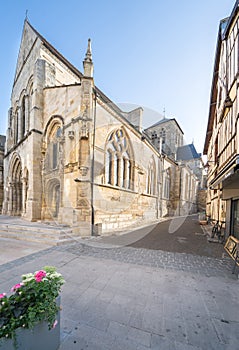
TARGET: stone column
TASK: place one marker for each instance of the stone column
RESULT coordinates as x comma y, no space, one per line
114,169
18,198
126,173
119,171
10,200
14,198
24,188
15,132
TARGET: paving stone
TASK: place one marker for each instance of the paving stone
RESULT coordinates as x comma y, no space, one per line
175,329
118,313
118,330
183,346
74,343
139,336
160,342
203,334
228,332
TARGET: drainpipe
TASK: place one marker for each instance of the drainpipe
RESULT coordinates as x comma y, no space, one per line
93,168
180,189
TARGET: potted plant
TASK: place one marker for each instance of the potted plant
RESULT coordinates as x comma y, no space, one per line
29,317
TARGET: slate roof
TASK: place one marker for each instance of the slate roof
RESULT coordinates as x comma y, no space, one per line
187,152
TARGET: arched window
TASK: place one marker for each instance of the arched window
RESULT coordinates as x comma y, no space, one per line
53,146
31,96
186,188
118,160
30,106
166,184
16,126
23,113
151,179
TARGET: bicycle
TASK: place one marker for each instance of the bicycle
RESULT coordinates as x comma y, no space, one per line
218,230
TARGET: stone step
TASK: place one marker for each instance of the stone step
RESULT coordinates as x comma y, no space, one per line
30,228
44,236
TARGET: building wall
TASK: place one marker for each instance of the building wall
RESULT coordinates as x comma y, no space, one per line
221,145
2,147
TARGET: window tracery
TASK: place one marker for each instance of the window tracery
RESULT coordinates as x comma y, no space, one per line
53,148
118,162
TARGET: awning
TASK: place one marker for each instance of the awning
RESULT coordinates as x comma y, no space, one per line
225,173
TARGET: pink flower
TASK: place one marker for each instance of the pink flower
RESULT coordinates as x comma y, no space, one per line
55,324
17,286
2,295
39,275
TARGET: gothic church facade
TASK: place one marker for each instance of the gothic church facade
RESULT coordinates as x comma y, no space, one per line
73,157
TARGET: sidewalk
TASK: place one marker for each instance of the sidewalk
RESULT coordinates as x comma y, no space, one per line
125,299
12,249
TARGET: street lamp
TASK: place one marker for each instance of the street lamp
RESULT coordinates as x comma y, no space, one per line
226,107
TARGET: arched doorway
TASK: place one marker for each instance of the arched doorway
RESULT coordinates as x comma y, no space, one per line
16,187
53,198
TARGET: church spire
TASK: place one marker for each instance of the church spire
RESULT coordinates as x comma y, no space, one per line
88,63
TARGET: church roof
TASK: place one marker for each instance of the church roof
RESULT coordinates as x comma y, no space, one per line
56,53
187,152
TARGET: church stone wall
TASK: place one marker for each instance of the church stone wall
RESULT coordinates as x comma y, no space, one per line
2,147
117,207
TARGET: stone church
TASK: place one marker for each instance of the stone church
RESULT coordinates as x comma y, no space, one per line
73,157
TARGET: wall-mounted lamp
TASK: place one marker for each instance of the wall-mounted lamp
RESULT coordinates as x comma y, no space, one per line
226,107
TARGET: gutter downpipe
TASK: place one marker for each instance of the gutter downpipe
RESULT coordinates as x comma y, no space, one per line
93,168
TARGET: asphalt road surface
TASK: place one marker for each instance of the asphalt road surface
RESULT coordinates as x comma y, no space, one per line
181,235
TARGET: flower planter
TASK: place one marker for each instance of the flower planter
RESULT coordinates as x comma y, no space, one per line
38,338
28,313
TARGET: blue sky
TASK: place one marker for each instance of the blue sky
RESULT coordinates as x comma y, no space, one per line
154,53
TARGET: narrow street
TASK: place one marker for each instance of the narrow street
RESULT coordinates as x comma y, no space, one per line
181,235
178,235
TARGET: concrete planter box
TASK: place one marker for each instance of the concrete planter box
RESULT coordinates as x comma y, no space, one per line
38,338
